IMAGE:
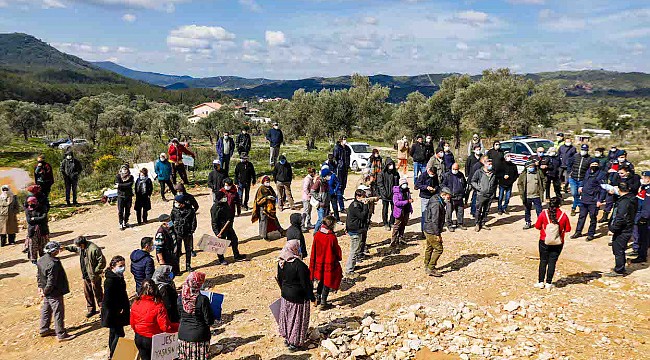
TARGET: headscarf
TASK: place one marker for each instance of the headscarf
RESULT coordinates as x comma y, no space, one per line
191,290
269,207
161,276
34,189
290,252
6,195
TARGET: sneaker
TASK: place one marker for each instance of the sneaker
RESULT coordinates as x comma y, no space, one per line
193,253
463,227
343,211
638,260
615,274
427,271
539,285
451,229
548,286
46,333
573,212
126,225
477,228
528,226
240,257
576,235
91,314
292,348
500,212
590,238
435,273
66,337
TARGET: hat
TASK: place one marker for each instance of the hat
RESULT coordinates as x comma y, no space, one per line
403,181
645,173
80,240
244,155
164,218
163,155
560,134
52,246
594,160
325,172
621,153
32,200
584,147
445,190
179,198
216,161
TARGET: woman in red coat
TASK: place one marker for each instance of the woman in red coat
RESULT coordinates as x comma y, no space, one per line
325,260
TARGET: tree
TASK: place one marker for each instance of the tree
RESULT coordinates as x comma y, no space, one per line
441,107
66,123
120,118
409,118
28,117
369,103
208,126
174,123
88,109
608,119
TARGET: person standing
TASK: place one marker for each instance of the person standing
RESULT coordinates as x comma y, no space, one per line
566,152
579,166
307,184
245,177
616,163
196,318
419,154
124,181
297,291
184,219
148,318
142,265
552,224
222,221
275,137
163,170
342,153
164,243
92,262
484,181
38,231
282,177
163,277
176,151
375,162
265,209
216,177
386,180
401,212
320,192
448,157
403,155
244,142
225,149
437,161
334,188
550,166
428,185
592,198
434,220
294,232
505,181
476,141
232,197
324,262
497,156
9,209
357,223
44,175
70,170
143,191
559,137
52,286
115,308
456,183
472,164
189,198
603,161
643,219
621,226
531,190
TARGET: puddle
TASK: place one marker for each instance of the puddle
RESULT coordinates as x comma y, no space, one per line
18,179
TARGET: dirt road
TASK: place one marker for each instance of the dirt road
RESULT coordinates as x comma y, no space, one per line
486,268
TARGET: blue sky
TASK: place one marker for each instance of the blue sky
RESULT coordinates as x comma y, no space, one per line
288,39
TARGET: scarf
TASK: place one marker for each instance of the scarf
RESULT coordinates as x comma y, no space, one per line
191,290
6,195
268,207
290,252
125,173
161,276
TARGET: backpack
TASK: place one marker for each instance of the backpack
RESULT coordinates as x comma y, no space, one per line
553,231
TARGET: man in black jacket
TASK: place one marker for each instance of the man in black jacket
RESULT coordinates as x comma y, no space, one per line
243,142
419,154
216,177
282,177
428,184
472,164
579,165
244,177
497,156
342,153
52,285
184,219
124,181
550,166
222,226
621,226
433,225
70,169
142,266
505,180
386,179
356,225
484,181
164,243
456,183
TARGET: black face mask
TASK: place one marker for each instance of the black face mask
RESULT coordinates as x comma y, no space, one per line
594,168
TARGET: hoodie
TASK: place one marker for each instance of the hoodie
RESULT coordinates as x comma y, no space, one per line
386,180
401,201
71,168
142,267
283,172
294,232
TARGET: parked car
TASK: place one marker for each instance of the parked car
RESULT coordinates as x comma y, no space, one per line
56,143
72,143
523,147
359,156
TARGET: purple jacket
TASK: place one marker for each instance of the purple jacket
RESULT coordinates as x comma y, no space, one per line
401,202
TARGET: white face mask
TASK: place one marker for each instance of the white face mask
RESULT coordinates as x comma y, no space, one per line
497,146
227,187
267,184
598,154
583,152
454,171
447,148
568,143
477,152
343,142
69,157
390,167
645,181
276,127
225,136
428,139
431,175
162,159
404,186
621,160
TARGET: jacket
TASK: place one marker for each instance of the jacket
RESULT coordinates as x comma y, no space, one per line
510,169
307,183
625,210
579,166
334,185
402,149
425,180
124,187
71,169
644,205
234,202
484,183
176,153
184,221
294,232
44,175
221,147
282,173
216,178
142,267
439,165
9,209
342,157
434,216
115,311
358,220
195,327
51,276
143,191
91,259
592,192
165,245
169,296
456,183
498,159
566,154
419,153
324,262
469,165
37,218
522,185
552,170
633,181
543,221
245,173
243,143
401,202
275,137
320,191
295,284
219,216
470,147
163,170
386,179
149,318
449,160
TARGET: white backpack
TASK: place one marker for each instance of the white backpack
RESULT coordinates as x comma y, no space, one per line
553,231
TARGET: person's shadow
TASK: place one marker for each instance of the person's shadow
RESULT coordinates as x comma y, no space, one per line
464,261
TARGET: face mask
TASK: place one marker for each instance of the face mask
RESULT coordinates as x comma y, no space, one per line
267,184
119,270
124,171
31,207
583,152
171,276
283,162
621,160
454,171
227,187
497,146
431,175
645,181
162,159
477,152
390,167
531,170
441,154
559,138
39,164
489,167
223,200
142,176
613,149
594,168
551,153
225,136
540,154
428,139
69,157
567,143
170,224
404,186
276,127
475,140
343,142
598,154
447,148
328,177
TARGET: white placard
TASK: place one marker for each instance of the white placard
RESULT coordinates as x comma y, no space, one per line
150,168
164,346
213,244
188,160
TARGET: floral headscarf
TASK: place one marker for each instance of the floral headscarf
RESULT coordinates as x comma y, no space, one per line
191,290
290,252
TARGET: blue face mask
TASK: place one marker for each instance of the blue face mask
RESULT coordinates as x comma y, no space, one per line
120,270
489,167
283,162
171,276
531,170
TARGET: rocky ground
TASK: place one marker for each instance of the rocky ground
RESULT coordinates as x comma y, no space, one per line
484,307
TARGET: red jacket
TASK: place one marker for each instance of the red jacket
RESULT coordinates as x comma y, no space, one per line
176,153
149,318
542,221
234,202
324,263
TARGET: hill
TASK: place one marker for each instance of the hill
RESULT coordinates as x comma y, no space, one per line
148,77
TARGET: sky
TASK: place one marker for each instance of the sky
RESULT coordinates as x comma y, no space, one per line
291,39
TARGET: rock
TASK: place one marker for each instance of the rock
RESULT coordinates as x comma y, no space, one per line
415,344
408,317
447,325
511,306
476,350
367,321
360,351
370,350
377,328
329,345
570,330
400,355
380,348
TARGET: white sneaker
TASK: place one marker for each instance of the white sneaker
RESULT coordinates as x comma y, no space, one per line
539,285
548,286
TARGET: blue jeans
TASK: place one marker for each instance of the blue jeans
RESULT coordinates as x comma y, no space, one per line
418,168
339,197
575,184
424,203
321,215
528,206
505,192
472,206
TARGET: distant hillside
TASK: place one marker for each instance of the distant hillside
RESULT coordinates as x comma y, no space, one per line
148,77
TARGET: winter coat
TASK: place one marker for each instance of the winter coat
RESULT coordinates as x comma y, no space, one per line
401,202
456,184
402,149
282,173
44,175
294,232
334,185
143,191
449,160
469,165
625,211
510,169
37,218
195,327
275,137
498,159
51,277
245,173
423,181
439,165
552,170
324,262
633,181
164,244
386,179
184,221
603,161
115,311
644,205
434,216
358,220
124,187
149,318
163,170
9,209
219,216
566,154
579,166
320,191
295,285
191,200
176,153
221,144
169,296
342,156
419,153
234,202
216,178
91,260
522,185
142,267
470,147
71,169
307,183
243,143
484,183
592,192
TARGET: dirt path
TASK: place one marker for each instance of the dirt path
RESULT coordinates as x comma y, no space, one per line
484,268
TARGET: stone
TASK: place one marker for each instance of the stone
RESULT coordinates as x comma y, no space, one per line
511,306
415,344
377,328
329,345
367,321
380,348
400,355
476,350
358,352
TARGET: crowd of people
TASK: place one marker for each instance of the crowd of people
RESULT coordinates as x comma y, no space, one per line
606,181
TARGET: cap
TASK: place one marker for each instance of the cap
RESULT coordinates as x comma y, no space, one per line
52,246
403,181
560,134
216,161
325,172
584,147
645,173
594,160
622,152
445,190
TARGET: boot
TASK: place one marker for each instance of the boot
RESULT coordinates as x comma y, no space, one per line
605,218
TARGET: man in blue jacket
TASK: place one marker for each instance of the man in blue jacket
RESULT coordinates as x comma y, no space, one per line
275,137
566,153
456,183
225,149
142,266
428,184
342,154
592,197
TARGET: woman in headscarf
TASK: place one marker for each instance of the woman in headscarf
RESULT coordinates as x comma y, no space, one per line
196,319
9,210
163,278
115,305
264,209
124,181
297,291
38,232
325,261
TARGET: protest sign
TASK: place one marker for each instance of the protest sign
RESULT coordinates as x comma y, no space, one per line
216,303
275,310
188,161
164,346
213,244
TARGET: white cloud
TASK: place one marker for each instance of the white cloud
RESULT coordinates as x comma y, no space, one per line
471,17
251,45
162,5
370,20
527,2
552,21
193,38
484,55
129,18
52,4
275,38
251,5
633,34
462,46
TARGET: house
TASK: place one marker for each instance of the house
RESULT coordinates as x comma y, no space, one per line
203,110
598,133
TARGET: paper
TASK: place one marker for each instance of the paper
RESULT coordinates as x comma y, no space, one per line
151,174
216,303
125,350
188,161
213,244
164,346
275,310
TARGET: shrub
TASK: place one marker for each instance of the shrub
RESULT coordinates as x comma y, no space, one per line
107,163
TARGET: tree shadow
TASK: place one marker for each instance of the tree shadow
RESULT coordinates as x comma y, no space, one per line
10,263
578,278
361,297
507,219
464,261
387,261
263,252
415,220
8,275
222,279
230,344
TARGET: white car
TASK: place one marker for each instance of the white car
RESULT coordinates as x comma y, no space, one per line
72,143
359,155
523,147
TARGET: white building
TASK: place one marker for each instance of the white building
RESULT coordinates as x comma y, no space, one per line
203,110
599,133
